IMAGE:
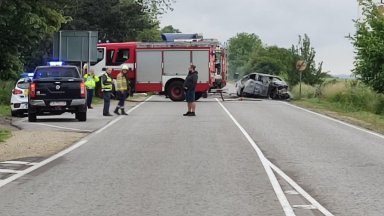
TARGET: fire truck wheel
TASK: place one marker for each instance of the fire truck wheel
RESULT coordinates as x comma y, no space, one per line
176,91
198,95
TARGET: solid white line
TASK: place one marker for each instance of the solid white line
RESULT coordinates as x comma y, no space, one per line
65,128
120,117
336,120
60,154
9,171
300,190
272,178
18,162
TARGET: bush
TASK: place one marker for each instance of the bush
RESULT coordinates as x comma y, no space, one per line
307,91
6,91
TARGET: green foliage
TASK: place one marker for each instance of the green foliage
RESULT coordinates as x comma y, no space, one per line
369,44
24,24
240,48
169,29
270,60
313,74
347,95
4,134
5,91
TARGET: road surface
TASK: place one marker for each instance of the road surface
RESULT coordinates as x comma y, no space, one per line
234,158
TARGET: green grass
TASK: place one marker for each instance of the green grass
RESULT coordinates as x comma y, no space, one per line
5,110
347,100
4,134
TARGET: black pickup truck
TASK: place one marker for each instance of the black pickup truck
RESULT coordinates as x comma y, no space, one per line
55,90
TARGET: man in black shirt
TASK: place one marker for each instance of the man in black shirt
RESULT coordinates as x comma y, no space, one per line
190,87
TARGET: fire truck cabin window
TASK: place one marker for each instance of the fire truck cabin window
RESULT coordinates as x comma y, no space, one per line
122,55
110,54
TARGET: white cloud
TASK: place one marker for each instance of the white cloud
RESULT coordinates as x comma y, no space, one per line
278,22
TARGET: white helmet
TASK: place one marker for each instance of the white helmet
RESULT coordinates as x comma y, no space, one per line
124,67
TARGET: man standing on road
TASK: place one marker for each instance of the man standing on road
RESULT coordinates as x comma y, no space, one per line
122,87
90,83
190,87
106,86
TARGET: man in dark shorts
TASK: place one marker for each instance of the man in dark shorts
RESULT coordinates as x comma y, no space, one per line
190,87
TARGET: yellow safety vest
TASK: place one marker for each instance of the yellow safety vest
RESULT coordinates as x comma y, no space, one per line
90,81
107,87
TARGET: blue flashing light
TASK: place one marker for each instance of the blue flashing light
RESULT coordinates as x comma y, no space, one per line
55,63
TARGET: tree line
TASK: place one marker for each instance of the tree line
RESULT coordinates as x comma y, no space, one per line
27,26
247,53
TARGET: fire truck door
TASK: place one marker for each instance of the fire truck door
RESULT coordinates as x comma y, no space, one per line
201,60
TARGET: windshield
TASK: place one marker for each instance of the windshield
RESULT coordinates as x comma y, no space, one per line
23,85
47,72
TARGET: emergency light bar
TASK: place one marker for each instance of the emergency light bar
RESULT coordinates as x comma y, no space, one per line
55,63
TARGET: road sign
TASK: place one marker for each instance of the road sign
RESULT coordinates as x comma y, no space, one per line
75,46
301,65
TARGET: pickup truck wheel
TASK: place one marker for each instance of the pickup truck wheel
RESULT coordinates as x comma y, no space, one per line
176,91
31,117
81,116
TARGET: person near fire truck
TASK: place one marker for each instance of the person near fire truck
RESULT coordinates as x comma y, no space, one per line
90,83
107,87
190,88
122,89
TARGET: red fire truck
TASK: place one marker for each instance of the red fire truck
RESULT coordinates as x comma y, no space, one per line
162,67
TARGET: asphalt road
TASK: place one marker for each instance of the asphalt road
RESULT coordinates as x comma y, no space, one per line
157,162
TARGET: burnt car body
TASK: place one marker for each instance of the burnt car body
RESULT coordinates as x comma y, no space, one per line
262,85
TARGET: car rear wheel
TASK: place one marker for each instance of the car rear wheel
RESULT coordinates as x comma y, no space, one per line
81,116
31,117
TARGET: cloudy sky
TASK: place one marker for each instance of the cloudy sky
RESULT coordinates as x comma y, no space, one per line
278,22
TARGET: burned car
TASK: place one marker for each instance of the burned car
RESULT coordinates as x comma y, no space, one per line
262,85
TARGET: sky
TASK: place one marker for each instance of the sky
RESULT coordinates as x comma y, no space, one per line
276,22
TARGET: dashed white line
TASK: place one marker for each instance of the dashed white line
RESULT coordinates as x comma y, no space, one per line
272,178
300,190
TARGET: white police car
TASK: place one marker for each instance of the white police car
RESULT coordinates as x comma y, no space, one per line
19,98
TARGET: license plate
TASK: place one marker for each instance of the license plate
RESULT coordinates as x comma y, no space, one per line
58,103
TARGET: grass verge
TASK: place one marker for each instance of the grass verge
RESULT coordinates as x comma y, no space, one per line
4,134
5,110
336,110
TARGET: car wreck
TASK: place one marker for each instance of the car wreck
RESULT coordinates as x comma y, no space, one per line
263,86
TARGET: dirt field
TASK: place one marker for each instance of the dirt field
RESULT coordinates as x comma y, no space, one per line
25,144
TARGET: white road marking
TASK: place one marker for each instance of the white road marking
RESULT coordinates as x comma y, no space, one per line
60,154
120,117
306,207
59,127
272,178
291,192
336,120
18,163
9,171
300,190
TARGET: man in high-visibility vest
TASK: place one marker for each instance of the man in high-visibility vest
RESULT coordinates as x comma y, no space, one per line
106,87
90,83
122,87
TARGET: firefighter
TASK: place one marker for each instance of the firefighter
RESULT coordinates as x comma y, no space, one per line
90,83
190,87
122,89
106,86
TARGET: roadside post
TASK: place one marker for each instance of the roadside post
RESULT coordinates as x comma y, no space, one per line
300,67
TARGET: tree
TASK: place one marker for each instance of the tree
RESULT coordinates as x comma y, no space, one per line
369,44
313,74
270,60
170,29
24,24
240,49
